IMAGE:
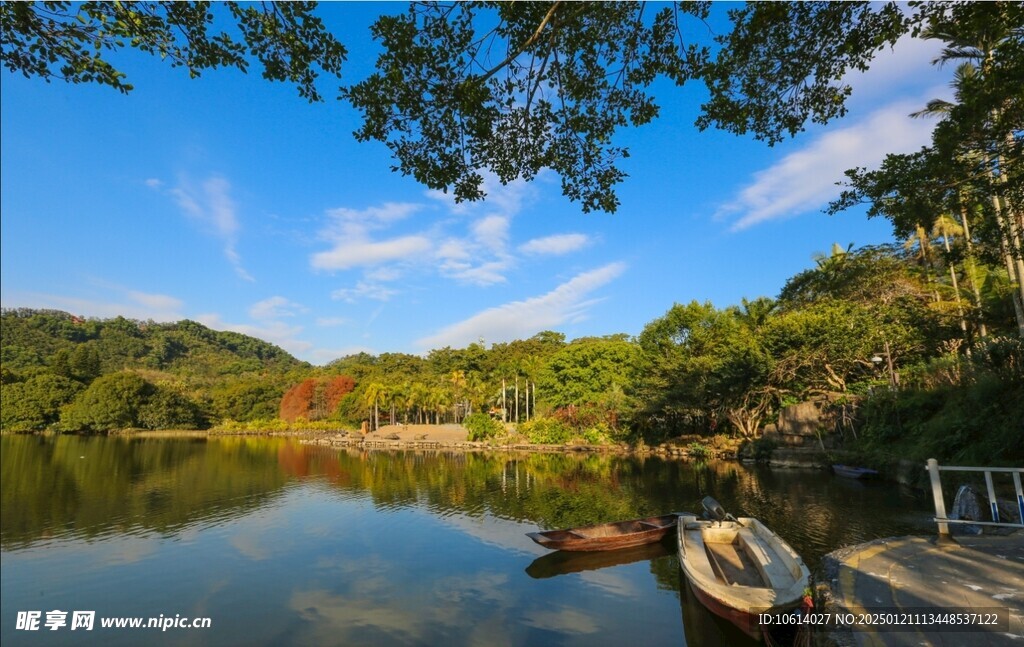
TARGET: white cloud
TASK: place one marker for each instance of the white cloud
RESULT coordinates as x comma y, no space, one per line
385,213
275,332
906,65
556,245
352,246
370,239
330,322
275,308
482,256
131,304
507,199
521,319
806,179
211,205
358,251
383,274
365,290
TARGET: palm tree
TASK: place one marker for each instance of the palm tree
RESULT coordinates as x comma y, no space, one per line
375,395
457,379
946,227
977,43
922,242
532,366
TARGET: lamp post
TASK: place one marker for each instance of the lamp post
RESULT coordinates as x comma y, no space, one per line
877,360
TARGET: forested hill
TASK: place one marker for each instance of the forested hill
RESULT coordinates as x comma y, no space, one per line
67,372
64,343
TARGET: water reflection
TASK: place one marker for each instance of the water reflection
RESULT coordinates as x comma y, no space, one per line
284,543
561,562
90,487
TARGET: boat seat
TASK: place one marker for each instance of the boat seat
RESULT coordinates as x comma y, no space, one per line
768,563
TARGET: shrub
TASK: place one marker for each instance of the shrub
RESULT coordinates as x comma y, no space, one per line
599,434
546,431
481,426
699,451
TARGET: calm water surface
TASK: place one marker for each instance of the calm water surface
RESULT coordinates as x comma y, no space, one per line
280,543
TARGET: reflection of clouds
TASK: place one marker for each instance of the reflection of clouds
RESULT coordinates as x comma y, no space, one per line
250,545
611,581
414,612
480,586
336,616
455,592
564,620
505,534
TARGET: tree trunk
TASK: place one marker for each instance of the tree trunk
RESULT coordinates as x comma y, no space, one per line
970,269
956,293
1009,235
527,400
517,399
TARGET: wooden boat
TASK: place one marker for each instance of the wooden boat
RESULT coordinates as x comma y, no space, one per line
739,568
608,536
854,472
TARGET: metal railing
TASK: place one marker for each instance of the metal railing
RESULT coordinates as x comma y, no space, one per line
934,468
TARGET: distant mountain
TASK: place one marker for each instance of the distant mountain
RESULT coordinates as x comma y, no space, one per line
48,339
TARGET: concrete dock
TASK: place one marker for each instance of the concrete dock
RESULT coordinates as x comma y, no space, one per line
900,577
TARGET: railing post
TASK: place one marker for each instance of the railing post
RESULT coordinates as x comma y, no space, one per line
940,504
992,501
1020,495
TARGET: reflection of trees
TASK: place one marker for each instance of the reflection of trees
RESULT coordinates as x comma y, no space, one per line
91,486
550,490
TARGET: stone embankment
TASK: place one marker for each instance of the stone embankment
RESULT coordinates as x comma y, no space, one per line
455,437
386,442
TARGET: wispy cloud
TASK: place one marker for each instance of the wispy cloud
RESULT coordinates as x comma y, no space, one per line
555,245
481,256
275,332
275,308
904,67
349,233
901,80
331,322
211,205
364,290
568,302
471,245
121,302
806,179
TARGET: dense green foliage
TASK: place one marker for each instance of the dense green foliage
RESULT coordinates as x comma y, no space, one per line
61,371
481,426
918,334
70,42
866,326
462,90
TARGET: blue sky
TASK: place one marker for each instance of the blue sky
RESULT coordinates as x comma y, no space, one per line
231,201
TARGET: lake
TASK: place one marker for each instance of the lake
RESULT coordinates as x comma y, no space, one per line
280,543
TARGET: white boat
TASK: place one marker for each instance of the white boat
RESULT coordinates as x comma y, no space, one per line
739,568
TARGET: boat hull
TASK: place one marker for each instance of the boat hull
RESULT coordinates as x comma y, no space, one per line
608,536
749,623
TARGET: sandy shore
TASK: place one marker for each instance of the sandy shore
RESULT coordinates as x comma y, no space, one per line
430,433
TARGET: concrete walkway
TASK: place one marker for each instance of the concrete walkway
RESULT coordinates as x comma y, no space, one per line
983,574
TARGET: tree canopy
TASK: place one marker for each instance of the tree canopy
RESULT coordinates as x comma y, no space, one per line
466,89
